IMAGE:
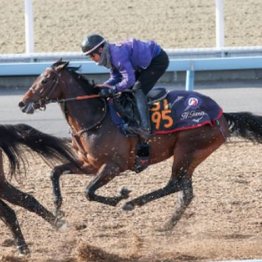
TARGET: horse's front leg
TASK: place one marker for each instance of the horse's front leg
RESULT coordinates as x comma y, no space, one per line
105,174
55,175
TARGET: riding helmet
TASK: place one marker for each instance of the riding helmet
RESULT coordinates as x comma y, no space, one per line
91,43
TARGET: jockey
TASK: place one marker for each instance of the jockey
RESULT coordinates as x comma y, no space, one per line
133,64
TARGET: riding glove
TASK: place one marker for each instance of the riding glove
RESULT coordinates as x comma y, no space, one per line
107,92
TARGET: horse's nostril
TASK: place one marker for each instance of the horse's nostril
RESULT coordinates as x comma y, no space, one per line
21,104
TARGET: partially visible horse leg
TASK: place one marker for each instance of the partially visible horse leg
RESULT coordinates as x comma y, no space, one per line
17,197
105,174
27,201
8,216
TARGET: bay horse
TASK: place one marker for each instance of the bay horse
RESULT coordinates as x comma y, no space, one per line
14,140
106,152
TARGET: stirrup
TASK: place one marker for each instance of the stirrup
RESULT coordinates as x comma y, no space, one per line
141,132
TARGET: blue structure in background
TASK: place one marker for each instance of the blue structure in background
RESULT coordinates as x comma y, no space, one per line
189,62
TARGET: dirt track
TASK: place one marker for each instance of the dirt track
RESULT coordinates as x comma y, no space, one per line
61,25
223,221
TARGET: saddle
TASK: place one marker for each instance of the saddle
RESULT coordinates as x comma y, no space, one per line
125,105
170,110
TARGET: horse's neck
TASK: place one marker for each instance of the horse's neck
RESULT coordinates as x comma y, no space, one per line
81,114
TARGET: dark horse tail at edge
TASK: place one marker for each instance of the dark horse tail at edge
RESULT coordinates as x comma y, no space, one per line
245,125
47,146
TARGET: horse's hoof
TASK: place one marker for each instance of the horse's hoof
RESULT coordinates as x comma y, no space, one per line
165,228
124,192
128,206
168,226
60,225
23,250
59,213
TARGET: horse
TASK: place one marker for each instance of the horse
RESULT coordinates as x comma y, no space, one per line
105,151
14,140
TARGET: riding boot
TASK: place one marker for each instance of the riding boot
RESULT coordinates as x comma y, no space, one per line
142,157
141,102
118,107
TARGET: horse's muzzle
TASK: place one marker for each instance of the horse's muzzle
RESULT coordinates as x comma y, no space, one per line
28,108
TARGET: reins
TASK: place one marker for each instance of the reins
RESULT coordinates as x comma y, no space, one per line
77,98
95,125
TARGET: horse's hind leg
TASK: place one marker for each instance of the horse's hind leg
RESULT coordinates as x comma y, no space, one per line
183,167
182,176
191,149
8,216
180,180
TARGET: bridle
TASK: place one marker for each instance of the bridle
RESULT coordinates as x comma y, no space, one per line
43,96
44,93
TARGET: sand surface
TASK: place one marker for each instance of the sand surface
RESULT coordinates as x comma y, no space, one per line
222,222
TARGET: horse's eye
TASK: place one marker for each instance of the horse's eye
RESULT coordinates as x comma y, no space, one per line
44,81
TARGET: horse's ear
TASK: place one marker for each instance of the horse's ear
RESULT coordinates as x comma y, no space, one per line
61,65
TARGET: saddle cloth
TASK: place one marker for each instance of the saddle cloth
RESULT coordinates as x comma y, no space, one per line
178,110
181,110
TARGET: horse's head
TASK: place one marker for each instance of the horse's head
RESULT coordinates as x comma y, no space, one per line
44,88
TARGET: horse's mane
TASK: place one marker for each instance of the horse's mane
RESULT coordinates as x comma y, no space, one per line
83,82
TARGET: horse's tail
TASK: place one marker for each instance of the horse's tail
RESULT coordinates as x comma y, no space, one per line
50,148
245,125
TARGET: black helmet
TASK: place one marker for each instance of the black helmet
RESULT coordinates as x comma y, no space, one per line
91,43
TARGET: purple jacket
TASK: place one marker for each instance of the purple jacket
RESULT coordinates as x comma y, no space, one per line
126,58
